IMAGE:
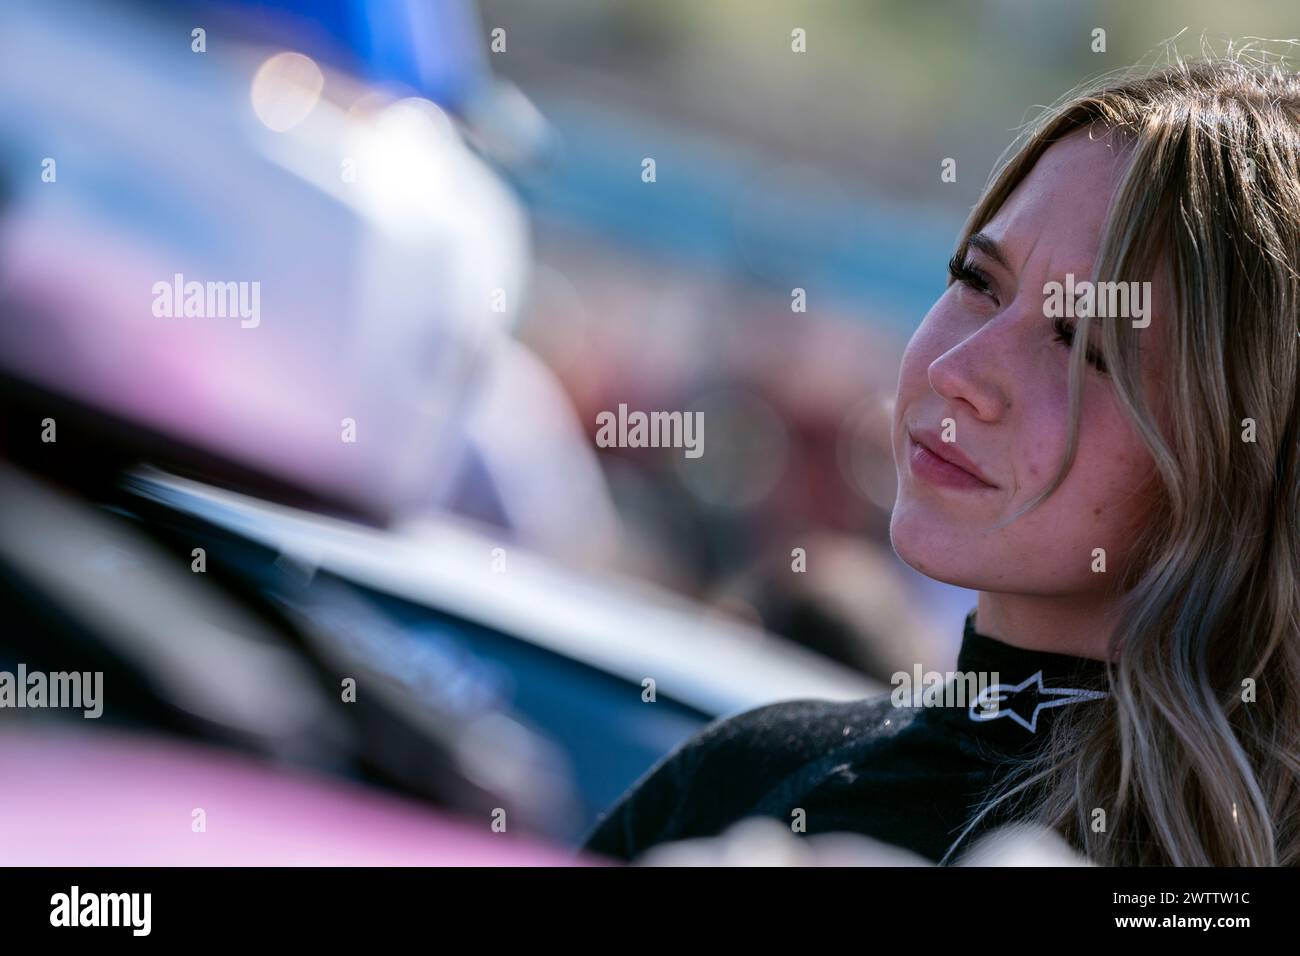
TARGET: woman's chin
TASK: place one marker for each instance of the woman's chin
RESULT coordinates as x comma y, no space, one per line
929,547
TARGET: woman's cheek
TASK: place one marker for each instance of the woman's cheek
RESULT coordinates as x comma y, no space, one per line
1102,440
1105,502
913,377
1042,441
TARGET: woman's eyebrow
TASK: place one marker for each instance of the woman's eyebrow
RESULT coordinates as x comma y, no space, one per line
990,247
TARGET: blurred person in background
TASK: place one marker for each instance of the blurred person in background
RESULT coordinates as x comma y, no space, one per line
851,604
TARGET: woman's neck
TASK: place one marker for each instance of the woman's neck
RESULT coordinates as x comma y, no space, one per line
1076,626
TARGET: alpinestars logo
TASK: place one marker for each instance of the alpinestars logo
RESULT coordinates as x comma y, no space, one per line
1024,701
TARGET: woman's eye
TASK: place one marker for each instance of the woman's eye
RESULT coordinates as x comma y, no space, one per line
1065,335
965,273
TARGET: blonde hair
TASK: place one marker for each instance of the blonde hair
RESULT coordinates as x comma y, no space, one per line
1187,771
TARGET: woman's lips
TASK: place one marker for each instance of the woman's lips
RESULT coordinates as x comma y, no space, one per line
928,466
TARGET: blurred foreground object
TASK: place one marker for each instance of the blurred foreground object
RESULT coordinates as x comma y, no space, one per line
377,258
762,841
307,430
1021,844
128,800
201,655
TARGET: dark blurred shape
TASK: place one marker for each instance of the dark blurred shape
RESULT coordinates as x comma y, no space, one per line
208,656
850,603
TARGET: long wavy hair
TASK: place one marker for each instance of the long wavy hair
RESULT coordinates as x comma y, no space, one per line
1194,757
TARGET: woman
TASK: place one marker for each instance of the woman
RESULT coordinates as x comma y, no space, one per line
1116,470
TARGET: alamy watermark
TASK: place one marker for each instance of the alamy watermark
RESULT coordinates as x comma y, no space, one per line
941,688
1105,300
208,300
75,908
72,690
651,430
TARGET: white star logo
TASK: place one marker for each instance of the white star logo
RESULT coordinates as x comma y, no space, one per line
990,703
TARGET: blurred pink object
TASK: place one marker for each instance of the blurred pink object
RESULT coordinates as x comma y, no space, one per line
112,799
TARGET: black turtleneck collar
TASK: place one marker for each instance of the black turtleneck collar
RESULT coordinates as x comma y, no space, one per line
1032,688
906,773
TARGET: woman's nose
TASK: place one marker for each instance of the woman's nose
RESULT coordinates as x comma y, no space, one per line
968,376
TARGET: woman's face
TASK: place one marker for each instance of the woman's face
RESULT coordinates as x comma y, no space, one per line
987,359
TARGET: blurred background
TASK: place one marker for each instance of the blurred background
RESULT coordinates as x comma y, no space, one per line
391,471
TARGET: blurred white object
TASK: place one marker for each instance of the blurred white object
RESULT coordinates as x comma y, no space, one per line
763,841
542,471
1023,844
619,626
